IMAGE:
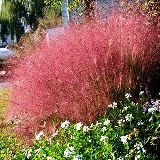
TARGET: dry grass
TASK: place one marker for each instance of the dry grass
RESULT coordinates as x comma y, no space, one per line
4,95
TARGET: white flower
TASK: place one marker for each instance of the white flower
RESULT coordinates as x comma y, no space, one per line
124,138
120,122
113,105
65,124
151,110
71,148
127,95
38,150
39,135
104,129
137,157
29,154
49,158
106,122
97,123
142,147
140,123
125,108
92,125
110,106
128,117
44,155
68,151
139,146
133,103
151,119
113,156
78,126
143,150
157,104
141,93
85,128
78,157
103,138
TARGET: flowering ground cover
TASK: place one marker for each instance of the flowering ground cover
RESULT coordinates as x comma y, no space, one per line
129,131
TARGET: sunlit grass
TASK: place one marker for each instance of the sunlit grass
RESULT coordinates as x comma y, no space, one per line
9,145
4,95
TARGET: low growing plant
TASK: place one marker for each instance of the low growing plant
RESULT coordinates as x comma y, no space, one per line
129,131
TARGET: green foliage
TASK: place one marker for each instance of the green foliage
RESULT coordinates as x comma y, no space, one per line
15,14
128,132
12,16
52,9
9,145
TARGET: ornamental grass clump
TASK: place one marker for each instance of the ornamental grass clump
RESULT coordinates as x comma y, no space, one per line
76,75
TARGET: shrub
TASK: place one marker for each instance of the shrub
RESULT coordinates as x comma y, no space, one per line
128,132
80,72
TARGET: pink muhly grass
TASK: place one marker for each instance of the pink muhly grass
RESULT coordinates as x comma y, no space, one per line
77,74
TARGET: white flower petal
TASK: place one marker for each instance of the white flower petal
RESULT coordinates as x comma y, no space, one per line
78,126
85,128
65,124
104,129
106,122
128,117
124,138
127,95
39,135
103,138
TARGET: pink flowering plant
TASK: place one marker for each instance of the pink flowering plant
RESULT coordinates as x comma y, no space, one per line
76,75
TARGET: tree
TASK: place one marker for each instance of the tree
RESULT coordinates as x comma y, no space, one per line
15,14
12,14
18,13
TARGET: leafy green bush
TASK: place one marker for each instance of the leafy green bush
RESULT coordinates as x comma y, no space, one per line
128,131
